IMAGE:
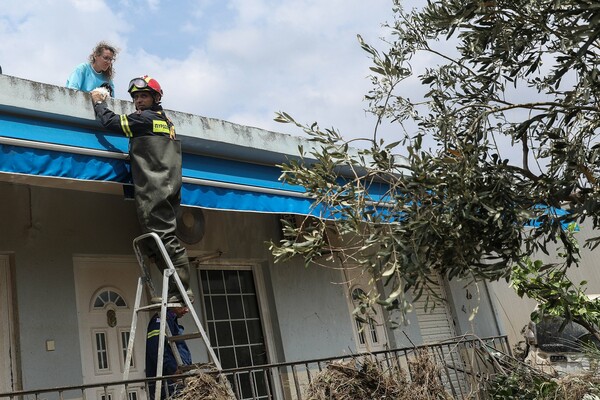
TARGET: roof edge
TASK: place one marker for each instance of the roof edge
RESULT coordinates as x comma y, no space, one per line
198,134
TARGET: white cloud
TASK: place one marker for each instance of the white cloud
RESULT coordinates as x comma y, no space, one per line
87,6
240,60
45,40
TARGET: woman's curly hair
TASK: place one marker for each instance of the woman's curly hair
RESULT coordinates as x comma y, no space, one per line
98,50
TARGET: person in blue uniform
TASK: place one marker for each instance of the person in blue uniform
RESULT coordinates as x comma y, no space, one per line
96,72
170,366
155,158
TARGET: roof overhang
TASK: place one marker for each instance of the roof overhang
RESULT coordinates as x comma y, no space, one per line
49,137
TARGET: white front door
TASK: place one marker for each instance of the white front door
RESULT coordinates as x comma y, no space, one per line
7,354
370,333
105,289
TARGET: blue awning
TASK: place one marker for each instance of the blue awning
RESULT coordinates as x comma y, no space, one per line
61,151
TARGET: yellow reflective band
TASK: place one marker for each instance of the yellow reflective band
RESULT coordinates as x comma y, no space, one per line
125,126
159,126
153,333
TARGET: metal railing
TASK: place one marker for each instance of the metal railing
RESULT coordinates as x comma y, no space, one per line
463,369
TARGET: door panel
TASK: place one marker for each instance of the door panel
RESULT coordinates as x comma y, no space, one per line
370,336
7,339
105,289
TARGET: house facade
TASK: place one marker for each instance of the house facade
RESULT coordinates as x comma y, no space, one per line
514,312
68,274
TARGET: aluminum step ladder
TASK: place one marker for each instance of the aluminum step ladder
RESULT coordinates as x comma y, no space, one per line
164,333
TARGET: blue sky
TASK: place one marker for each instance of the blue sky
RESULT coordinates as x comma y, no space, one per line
236,60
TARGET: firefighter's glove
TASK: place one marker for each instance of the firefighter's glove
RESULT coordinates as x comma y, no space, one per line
99,94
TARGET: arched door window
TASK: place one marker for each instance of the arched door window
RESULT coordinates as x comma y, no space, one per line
111,331
107,297
366,323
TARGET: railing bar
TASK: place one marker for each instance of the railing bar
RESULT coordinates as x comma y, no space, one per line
296,384
397,359
458,374
280,375
105,387
252,383
437,349
475,357
462,382
387,363
147,388
503,339
377,362
394,361
448,374
498,343
268,380
410,371
506,346
236,385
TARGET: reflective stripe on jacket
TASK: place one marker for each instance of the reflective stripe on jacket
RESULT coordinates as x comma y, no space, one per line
153,122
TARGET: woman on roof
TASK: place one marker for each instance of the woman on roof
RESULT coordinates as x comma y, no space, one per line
97,72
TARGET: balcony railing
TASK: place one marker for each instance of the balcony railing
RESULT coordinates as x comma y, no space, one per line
463,363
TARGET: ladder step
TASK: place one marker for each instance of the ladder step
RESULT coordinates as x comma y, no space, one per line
200,367
156,306
185,336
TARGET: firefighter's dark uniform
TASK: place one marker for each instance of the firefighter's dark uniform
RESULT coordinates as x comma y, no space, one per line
156,170
169,361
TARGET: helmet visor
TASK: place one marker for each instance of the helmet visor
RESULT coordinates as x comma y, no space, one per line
138,83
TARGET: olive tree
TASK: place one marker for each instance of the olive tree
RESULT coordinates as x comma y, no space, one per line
495,134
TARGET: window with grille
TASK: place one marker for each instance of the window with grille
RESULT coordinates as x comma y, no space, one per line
234,325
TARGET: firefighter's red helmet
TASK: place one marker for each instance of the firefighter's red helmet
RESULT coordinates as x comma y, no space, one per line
144,84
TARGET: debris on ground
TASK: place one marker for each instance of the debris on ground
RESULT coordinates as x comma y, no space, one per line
205,386
365,379
577,387
514,379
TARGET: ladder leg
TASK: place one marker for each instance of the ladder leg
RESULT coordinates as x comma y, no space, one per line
161,337
130,342
132,329
141,261
188,303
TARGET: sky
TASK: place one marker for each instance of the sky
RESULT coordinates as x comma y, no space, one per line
235,60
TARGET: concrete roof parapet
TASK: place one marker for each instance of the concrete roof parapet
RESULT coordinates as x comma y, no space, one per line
198,134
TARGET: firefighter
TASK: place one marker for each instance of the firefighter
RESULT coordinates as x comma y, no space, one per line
155,157
170,365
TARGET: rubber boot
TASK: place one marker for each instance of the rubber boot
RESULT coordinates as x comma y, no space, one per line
182,266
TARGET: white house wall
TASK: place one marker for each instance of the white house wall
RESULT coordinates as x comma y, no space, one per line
44,228
473,309
514,312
